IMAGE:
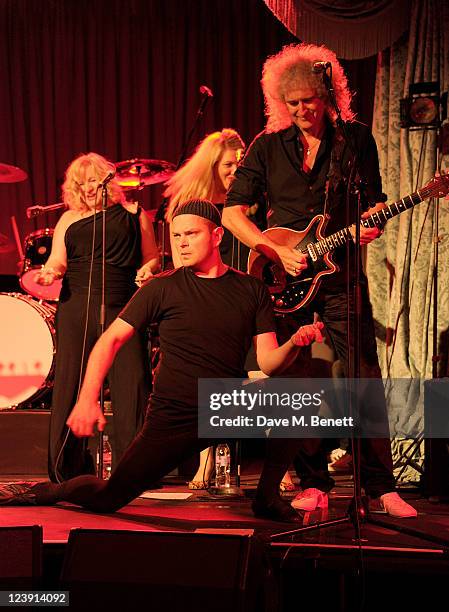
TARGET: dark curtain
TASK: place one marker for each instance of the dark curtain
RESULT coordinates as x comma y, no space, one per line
122,77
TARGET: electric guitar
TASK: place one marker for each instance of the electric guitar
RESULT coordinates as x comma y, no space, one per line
289,293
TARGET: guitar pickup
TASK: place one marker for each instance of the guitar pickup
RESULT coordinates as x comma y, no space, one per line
312,251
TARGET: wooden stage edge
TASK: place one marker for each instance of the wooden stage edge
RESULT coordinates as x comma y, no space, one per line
407,557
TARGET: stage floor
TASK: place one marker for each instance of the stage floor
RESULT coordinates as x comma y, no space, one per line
398,563
175,507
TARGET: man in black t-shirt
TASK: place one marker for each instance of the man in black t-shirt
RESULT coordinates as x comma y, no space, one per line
302,164
208,315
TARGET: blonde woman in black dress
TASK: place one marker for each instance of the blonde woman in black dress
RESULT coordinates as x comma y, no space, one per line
76,256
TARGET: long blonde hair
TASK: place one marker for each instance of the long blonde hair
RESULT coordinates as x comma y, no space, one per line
75,173
195,179
291,69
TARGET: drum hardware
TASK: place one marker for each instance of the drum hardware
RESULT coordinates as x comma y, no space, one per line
12,174
28,349
37,251
38,209
137,173
16,234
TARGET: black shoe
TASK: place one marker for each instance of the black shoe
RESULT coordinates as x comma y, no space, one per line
276,510
17,494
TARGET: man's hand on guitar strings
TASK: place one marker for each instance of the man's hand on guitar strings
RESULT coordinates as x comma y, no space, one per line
294,261
368,234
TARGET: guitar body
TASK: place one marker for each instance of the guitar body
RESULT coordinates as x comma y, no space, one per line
289,293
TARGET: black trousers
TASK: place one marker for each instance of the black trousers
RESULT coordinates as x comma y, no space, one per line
129,382
375,456
157,449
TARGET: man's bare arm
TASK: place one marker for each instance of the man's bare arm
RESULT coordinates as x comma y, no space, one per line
235,220
87,412
274,359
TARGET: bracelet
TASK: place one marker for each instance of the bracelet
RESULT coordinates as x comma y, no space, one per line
51,270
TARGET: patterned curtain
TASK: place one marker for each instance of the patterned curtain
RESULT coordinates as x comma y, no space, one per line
400,264
354,29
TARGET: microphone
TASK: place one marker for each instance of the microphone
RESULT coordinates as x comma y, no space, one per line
205,91
319,67
34,211
108,178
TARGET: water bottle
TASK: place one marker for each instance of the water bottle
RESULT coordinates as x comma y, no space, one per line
222,466
107,458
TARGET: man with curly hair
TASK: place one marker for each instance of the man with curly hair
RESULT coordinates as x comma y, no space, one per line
301,162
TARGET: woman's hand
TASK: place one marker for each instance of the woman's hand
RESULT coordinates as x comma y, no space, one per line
47,276
143,274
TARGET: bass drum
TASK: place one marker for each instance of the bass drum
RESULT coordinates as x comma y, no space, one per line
27,349
37,251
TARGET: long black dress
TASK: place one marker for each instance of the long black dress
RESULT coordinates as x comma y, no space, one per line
129,375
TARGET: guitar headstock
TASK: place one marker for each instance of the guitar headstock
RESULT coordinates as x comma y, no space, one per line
438,186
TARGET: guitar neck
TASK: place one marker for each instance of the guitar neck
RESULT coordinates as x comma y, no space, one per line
377,219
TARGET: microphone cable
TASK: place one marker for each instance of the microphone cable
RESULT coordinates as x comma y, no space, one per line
83,351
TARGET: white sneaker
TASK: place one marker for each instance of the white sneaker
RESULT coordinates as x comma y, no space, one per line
394,505
310,499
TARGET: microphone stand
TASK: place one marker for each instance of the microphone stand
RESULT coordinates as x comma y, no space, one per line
104,202
435,449
358,508
160,214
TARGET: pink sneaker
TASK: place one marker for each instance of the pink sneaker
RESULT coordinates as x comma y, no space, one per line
394,505
310,499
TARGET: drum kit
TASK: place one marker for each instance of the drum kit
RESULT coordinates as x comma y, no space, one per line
28,333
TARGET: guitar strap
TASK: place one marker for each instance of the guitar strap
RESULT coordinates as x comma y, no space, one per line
335,182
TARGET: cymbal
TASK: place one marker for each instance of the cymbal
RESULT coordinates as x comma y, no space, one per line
11,174
137,173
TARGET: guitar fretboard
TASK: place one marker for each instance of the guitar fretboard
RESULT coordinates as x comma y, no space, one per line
377,219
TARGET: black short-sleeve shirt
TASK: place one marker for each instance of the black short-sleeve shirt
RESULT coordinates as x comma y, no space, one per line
206,326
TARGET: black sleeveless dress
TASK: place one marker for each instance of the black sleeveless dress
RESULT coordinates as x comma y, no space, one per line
129,375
